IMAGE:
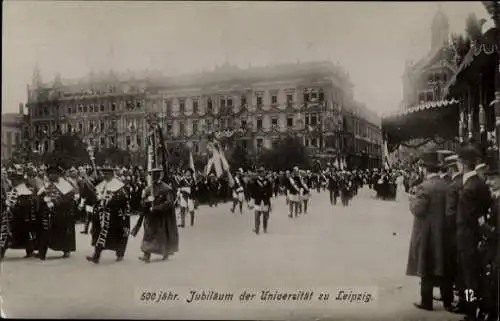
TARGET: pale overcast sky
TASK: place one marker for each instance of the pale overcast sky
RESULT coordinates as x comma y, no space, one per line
371,40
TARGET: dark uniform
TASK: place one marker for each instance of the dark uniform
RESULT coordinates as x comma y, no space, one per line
261,193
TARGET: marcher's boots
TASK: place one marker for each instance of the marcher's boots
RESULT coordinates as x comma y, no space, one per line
241,208
234,206
265,221
65,255
146,258
96,257
2,253
305,207
29,254
192,218
183,218
257,223
86,228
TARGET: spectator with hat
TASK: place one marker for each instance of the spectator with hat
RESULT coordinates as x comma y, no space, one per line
426,257
474,202
452,196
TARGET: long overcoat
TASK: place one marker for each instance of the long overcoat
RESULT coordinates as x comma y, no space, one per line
426,254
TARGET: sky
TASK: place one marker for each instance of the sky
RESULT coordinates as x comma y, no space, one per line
370,40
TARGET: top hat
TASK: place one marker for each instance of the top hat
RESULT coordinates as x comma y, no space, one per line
468,153
53,169
430,159
261,169
155,170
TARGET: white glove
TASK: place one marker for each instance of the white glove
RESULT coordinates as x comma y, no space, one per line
151,198
76,197
50,205
46,199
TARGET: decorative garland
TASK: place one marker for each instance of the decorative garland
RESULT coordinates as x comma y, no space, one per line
426,141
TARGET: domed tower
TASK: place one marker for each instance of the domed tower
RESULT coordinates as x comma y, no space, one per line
440,29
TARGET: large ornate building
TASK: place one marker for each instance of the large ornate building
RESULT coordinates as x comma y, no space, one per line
254,107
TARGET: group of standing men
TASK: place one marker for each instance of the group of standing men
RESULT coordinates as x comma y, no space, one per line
454,242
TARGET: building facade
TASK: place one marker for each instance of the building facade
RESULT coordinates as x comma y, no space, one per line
14,127
426,80
254,107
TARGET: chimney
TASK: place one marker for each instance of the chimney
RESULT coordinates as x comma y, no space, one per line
21,109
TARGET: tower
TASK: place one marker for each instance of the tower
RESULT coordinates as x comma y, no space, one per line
440,29
36,80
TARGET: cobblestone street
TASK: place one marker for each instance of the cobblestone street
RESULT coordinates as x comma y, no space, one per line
363,245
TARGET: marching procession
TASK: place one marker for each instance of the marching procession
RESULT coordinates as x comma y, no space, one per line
43,204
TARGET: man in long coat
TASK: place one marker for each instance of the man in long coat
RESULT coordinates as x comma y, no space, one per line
452,195
160,229
474,203
426,257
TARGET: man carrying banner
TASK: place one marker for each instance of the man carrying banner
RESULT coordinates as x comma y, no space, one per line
159,237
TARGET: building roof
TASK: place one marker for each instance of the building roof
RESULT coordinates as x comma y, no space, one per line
226,72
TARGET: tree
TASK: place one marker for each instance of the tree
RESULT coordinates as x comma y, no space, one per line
473,27
461,46
178,155
288,153
239,158
69,150
113,155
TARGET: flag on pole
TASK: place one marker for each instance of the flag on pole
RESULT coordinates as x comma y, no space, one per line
385,155
218,161
191,164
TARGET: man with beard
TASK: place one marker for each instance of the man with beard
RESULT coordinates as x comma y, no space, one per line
262,192
58,223
160,229
426,257
110,227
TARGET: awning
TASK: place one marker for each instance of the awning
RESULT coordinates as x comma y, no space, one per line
425,121
480,56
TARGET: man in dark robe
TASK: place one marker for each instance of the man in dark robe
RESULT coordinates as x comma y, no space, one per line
111,224
426,257
160,229
56,199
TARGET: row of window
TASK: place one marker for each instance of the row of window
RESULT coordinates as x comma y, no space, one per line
8,138
224,101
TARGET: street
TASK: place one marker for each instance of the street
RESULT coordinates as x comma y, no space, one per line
361,246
